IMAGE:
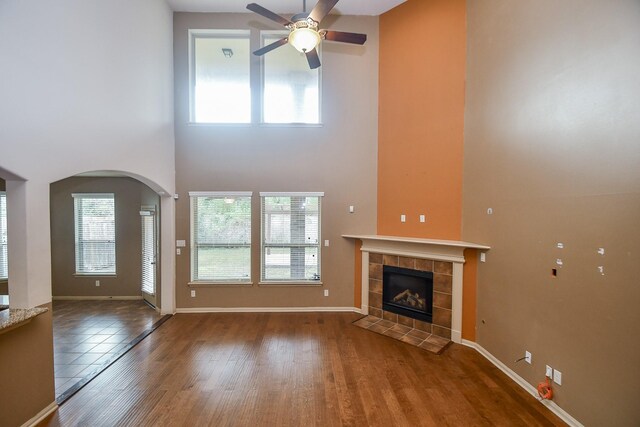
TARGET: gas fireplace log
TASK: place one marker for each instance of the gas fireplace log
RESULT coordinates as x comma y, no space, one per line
404,294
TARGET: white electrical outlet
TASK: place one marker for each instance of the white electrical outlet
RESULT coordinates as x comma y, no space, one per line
557,377
403,218
326,243
97,282
178,251
423,218
326,292
549,372
527,357
483,257
352,209
193,293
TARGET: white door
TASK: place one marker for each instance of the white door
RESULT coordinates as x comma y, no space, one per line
149,255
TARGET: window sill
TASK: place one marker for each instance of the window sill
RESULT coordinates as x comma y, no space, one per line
291,283
266,125
94,275
207,124
214,284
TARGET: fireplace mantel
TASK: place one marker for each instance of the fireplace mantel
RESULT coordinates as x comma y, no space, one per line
440,250
434,249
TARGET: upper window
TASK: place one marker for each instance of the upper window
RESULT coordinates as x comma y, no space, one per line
95,229
220,237
291,91
290,237
220,69
4,270
220,81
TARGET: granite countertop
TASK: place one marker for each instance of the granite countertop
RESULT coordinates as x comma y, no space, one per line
15,317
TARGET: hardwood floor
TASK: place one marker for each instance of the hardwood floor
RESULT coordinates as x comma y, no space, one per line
294,369
88,334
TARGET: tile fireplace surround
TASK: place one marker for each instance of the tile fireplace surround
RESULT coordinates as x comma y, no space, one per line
445,258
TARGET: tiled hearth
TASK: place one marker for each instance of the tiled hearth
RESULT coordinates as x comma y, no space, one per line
412,336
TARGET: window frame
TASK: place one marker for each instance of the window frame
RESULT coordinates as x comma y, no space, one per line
76,224
193,244
5,246
263,69
291,282
194,33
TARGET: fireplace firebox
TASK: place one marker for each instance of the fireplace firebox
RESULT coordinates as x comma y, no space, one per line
408,292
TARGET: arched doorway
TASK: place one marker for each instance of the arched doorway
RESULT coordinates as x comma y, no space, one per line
105,261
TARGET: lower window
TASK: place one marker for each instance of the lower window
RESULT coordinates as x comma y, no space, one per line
290,237
220,237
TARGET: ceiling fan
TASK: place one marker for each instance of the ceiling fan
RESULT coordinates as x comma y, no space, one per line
304,34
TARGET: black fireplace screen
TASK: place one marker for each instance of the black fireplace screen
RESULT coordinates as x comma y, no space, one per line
407,292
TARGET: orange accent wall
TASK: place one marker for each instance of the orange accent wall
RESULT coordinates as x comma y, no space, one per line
421,118
469,289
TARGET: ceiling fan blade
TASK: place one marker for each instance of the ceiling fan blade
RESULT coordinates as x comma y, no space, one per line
268,14
340,36
270,47
322,9
313,59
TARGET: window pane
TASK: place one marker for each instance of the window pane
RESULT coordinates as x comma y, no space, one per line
95,234
221,247
291,264
230,263
291,90
222,90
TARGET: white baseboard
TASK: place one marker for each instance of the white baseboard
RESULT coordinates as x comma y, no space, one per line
553,406
266,309
98,298
51,408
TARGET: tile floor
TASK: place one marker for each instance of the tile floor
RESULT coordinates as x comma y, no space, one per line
88,334
411,336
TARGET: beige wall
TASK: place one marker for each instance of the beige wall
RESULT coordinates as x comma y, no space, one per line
130,195
26,370
552,146
338,158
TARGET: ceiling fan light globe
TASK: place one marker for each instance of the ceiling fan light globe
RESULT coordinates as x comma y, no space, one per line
304,39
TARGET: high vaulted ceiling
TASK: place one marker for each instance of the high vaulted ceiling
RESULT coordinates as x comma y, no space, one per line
344,7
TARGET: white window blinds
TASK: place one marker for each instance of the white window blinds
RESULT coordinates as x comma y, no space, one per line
148,251
4,267
221,237
95,233
290,237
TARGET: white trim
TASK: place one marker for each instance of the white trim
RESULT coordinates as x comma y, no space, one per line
434,242
220,193
301,283
365,288
456,302
48,410
551,405
266,309
97,298
292,194
94,195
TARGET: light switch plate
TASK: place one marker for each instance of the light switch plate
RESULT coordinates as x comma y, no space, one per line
557,377
181,243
